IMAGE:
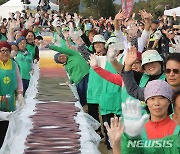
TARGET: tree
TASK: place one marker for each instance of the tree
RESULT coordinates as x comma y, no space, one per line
99,8
155,7
72,6
3,1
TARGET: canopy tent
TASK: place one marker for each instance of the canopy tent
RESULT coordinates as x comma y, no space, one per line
34,4
17,5
11,6
171,11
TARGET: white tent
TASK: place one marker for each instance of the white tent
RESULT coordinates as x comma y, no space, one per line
17,5
171,11
10,6
34,4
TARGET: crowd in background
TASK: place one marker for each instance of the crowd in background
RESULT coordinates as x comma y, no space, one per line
109,61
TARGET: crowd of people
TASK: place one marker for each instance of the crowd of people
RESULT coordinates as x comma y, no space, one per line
121,67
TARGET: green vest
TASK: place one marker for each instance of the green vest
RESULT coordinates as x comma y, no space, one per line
31,49
37,32
25,64
94,87
91,48
110,98
167,145
3,38
55,37
145,79
8,86
62,43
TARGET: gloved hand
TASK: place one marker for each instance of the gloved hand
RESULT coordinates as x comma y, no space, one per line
93,61
20,100
133,119
71,28
112,52
4,115
76,37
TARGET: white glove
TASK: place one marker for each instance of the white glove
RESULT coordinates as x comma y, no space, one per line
112,53
76,38
20,100
133,119
71,28
4,115
93,61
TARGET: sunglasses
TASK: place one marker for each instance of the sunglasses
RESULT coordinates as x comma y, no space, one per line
3,51
175,29
175,71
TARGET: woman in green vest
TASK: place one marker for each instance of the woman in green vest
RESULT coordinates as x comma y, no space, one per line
24,60
3,31
10,87
95,81
30,46
144,134
110,98
76,67
151,58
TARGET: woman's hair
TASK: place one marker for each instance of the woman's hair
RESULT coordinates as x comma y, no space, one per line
92,31
173,56
29,31
2,27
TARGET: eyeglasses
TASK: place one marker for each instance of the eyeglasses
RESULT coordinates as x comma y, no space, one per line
175,71
5,51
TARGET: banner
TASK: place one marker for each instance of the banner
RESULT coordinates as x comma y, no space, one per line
127,5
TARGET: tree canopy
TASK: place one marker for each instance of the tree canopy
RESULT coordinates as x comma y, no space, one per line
3,1
106,8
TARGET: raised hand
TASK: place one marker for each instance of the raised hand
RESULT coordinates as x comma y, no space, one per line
131,56
115,131
145,15
93,61
120,15
71,28
76,37
113,51
133,119
45,44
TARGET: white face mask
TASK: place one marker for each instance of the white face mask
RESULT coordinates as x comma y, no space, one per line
13,53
